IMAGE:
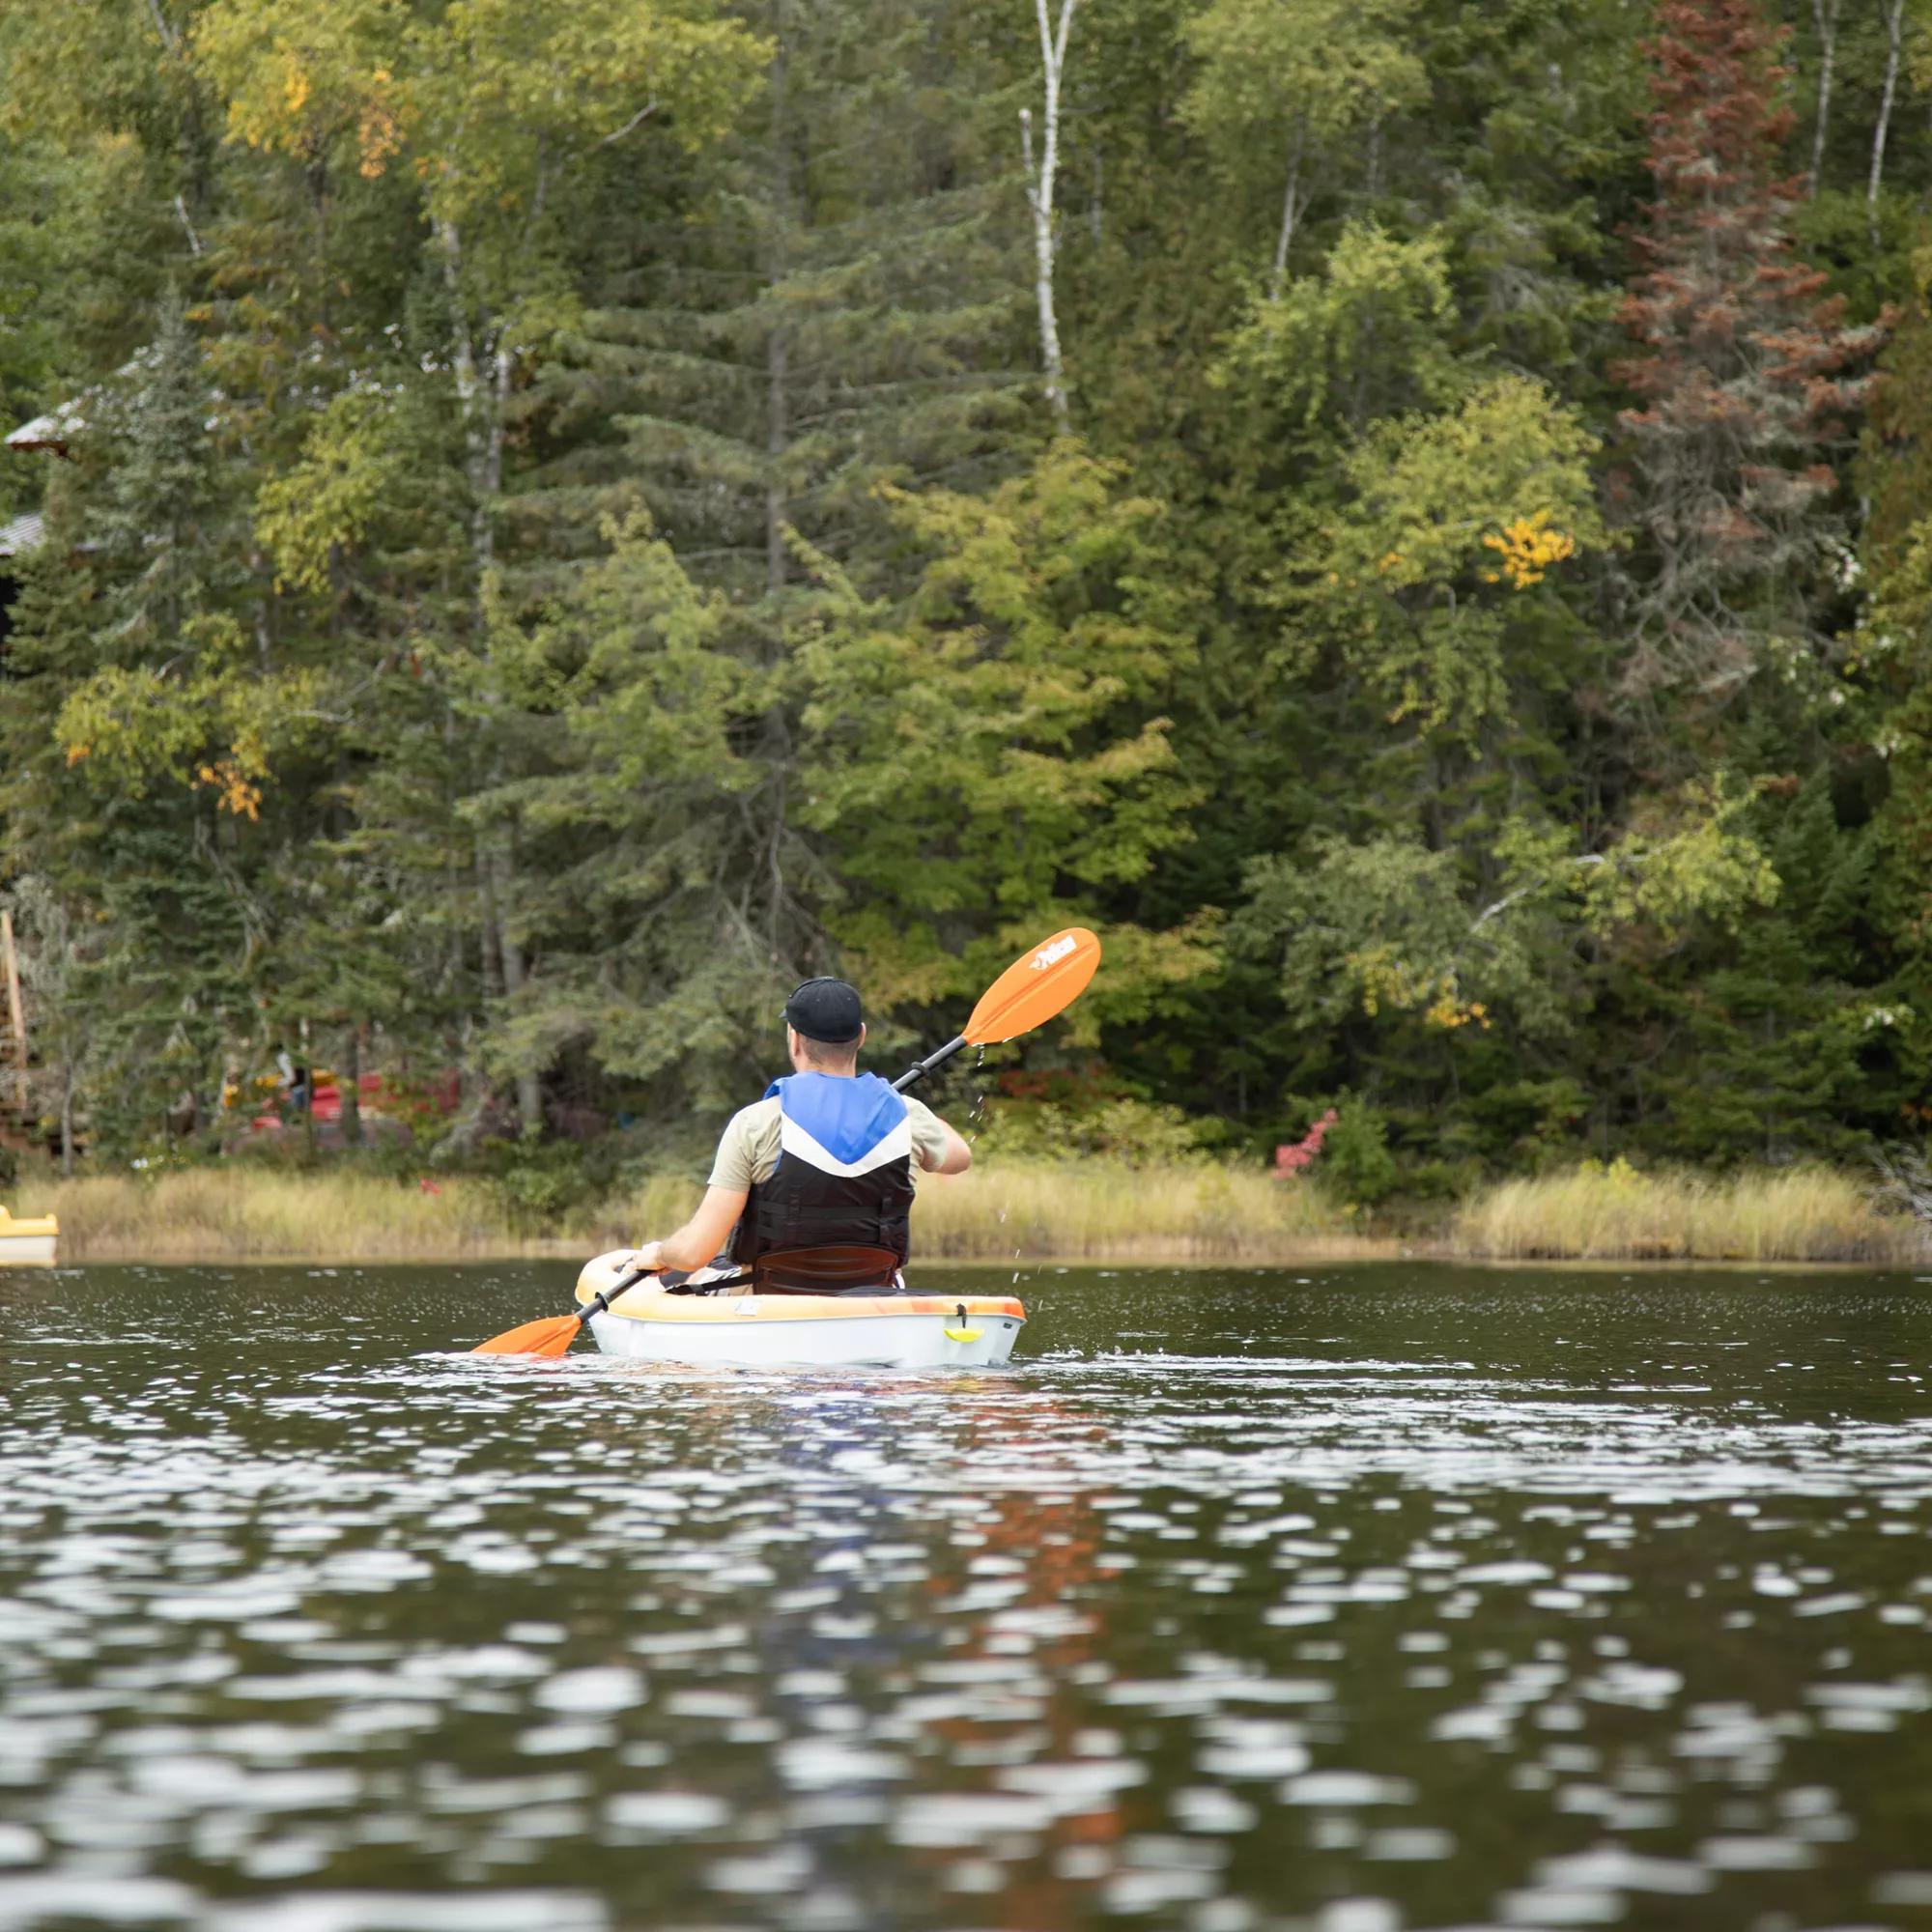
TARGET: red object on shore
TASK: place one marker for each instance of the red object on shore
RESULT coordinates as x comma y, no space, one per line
376,1098
1292,1156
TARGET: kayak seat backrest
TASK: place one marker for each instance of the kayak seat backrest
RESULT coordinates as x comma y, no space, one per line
825,1271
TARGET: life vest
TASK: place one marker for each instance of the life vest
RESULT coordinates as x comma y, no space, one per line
844,1172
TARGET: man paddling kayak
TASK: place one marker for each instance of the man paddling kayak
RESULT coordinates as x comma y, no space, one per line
813,1185
1043,981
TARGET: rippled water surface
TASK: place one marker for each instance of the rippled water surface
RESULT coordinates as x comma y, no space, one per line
1349,1600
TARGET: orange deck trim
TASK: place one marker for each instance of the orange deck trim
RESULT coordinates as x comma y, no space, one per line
656,1304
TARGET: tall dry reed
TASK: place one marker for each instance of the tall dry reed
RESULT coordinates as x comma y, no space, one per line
1078,1210
1101,1209
1003,1210
247,1213
1593,1212
1063,1210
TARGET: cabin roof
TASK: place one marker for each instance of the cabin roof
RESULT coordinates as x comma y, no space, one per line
23,535
53,431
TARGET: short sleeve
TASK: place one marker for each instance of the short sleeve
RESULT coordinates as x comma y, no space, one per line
928,1133
748,1150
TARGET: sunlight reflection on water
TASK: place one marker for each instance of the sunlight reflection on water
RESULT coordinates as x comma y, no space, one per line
1386,1598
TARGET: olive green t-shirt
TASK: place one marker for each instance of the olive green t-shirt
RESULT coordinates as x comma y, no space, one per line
747,1151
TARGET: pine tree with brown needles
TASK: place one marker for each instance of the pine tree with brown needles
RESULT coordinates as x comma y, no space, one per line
1745,373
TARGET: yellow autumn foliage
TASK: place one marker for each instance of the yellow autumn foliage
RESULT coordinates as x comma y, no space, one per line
1527,548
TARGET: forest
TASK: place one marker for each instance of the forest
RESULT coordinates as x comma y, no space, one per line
532,526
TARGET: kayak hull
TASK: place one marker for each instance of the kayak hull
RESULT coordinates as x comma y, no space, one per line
895,1331
908,1339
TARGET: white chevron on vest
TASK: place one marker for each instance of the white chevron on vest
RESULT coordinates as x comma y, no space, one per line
795,1139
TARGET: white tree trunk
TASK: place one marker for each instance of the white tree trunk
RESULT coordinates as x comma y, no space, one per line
1826,13
1894,34
1040,182
1292,202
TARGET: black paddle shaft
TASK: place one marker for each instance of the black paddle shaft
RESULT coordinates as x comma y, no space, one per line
917,1072
602,1300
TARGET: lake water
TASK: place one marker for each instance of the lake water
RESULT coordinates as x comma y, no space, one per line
1347,1598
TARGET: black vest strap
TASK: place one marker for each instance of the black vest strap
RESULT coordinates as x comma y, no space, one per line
801,1206
825,1271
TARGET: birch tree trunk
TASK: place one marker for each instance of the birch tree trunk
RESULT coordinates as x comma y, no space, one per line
1040,181
1826,13
1292,202
1894,34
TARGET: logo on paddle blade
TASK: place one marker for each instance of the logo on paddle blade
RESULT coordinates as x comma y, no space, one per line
1050,955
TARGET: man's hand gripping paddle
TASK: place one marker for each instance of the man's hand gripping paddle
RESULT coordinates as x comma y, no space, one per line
1044,981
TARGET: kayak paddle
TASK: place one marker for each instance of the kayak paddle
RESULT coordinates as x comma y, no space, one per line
1029,992
554,1333
1043,981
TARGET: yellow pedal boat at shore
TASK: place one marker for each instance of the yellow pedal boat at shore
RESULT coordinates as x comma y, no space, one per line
28,1242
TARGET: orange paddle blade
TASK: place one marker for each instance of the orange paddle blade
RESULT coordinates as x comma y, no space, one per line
552,1336
1027,994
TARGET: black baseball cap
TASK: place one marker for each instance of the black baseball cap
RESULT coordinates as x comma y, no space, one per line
826,1010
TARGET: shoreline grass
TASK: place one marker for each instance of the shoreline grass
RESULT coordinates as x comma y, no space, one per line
1102,1211
1007,1212
213,1215
1596,1213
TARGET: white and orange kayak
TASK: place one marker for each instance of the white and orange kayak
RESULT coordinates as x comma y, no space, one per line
737,1329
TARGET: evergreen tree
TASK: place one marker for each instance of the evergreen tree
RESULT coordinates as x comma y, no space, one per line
1744,373
164,728
582,548
161,527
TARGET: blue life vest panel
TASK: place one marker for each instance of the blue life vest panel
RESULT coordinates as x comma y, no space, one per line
844,1172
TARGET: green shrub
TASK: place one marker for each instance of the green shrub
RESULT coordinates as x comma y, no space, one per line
537,1186
1355,1159
1117,1128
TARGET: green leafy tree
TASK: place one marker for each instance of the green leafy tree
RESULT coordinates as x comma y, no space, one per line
1456,523
994,755
1286,91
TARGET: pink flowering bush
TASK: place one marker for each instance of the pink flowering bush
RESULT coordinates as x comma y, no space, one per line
1291,1158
